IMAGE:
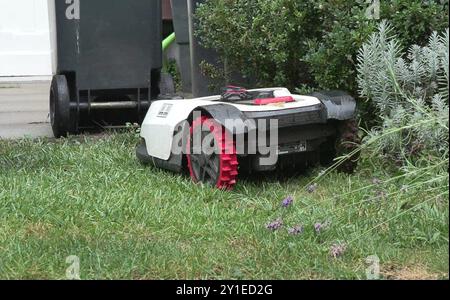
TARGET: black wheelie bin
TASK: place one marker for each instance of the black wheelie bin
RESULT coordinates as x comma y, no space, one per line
108,63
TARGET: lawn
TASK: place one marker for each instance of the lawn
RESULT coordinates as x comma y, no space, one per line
89,197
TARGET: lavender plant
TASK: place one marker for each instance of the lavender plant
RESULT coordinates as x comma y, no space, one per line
410,91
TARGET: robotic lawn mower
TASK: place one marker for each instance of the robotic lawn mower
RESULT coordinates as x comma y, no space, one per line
217,137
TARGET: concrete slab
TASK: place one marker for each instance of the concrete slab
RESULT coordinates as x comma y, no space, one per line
24,110
25,79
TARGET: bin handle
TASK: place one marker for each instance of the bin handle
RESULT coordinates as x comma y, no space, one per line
168,41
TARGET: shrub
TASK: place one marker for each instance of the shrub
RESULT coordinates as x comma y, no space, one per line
331,56
171,67
345,27
262,39
296,43
415,20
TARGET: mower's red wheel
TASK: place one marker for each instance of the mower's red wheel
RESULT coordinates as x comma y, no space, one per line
214,161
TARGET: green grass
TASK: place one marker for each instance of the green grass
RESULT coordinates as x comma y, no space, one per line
90,197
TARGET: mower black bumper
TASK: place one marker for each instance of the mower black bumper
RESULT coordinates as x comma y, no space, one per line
315,114
302,134
174,164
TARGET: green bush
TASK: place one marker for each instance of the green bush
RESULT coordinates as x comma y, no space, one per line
415,20
331,55
307,43
262,39
171,67
346,26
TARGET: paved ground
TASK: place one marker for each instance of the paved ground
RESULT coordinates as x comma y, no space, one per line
24,110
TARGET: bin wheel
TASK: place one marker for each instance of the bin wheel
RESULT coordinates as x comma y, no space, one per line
60,106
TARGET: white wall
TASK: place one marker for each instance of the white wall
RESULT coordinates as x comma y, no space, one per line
25,46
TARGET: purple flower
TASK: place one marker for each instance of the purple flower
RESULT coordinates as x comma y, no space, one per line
337,250
296,230
376,181
312,188
287,202
318,227
275,225
381,195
